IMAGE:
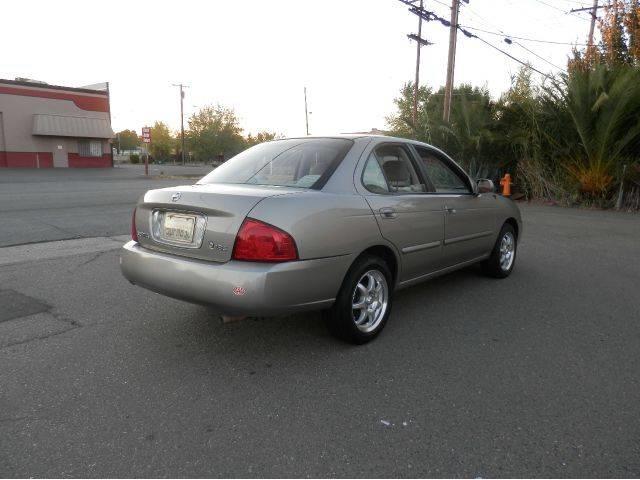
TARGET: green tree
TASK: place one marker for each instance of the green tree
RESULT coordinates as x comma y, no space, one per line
126,140
214,131
467,137
260,137
162,141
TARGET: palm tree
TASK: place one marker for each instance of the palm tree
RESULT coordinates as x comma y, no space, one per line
604,106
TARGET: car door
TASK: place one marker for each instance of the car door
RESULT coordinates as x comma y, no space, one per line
469,220
407,215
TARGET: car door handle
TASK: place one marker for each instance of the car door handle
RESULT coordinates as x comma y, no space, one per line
388,212
450,210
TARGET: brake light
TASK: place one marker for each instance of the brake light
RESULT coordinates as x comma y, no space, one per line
260,242
134,231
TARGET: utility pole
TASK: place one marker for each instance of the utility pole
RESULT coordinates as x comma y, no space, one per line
594,11
182,87
306,112
420,12
415,85
451,63
422,15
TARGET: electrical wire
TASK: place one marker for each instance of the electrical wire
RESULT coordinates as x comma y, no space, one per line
561,10
540,57
526,39
441,3
521,62
430,16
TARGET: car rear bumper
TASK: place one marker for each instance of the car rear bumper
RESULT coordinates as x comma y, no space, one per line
237,288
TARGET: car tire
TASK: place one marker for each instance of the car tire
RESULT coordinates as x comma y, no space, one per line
503,256
369,286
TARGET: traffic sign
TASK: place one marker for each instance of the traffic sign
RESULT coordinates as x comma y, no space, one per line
146,134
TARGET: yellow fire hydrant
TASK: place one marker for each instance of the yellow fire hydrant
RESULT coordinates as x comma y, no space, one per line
505,183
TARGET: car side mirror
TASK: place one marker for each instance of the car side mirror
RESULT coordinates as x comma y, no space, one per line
485,186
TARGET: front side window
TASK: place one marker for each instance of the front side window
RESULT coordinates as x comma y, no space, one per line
442,176
90,148
298,163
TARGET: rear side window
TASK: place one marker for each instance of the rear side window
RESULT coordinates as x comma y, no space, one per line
442,176
389,169
372,176
302,163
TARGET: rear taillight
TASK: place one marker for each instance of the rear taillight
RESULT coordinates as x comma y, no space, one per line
260,242
134,231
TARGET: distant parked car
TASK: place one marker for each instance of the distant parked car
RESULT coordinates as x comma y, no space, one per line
331,223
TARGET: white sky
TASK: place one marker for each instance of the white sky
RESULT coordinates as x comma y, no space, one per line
257,55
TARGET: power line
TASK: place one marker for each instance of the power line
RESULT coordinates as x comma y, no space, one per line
525,39
431,16
521,62
539,56
559,9
441,3
576,2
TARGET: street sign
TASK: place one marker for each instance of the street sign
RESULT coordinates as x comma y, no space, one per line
146,134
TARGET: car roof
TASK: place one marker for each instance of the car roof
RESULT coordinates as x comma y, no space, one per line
354,136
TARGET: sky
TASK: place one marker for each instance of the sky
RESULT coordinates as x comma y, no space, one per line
256,56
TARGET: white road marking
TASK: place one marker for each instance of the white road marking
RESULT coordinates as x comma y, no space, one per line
58,249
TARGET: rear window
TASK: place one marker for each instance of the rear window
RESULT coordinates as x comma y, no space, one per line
302,163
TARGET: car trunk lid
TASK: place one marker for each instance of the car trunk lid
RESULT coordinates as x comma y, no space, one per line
213,213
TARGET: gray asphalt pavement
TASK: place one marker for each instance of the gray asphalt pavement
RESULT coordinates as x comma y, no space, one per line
56,204
537,375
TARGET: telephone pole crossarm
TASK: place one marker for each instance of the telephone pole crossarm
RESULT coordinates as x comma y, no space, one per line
423,41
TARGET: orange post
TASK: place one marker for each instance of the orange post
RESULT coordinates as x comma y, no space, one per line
505,183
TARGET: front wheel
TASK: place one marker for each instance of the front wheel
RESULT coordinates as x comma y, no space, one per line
503,256
363,304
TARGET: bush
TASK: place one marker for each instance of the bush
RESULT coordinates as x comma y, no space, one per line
134,158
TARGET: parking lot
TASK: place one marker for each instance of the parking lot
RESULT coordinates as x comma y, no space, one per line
536,375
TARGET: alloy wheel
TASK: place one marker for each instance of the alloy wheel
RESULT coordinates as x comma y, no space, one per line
370,301
507,251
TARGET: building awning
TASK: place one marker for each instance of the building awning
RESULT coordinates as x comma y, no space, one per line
66,126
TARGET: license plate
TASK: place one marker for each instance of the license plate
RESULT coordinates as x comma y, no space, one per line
179,228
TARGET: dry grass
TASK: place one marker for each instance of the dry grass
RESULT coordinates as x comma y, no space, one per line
536,181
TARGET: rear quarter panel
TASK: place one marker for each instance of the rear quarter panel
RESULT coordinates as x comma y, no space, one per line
323,224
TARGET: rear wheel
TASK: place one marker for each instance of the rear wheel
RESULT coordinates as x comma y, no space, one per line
363,305
503,256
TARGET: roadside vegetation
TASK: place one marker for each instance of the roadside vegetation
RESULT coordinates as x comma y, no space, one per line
572,138
212,134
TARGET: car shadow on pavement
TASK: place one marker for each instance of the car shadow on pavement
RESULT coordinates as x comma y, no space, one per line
419,312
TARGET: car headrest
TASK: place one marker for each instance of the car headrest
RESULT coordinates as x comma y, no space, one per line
318,168
397,172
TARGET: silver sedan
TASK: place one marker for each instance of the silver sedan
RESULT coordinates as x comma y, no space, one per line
320,223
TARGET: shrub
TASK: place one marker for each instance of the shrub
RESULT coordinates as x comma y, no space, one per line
603,104
134,158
